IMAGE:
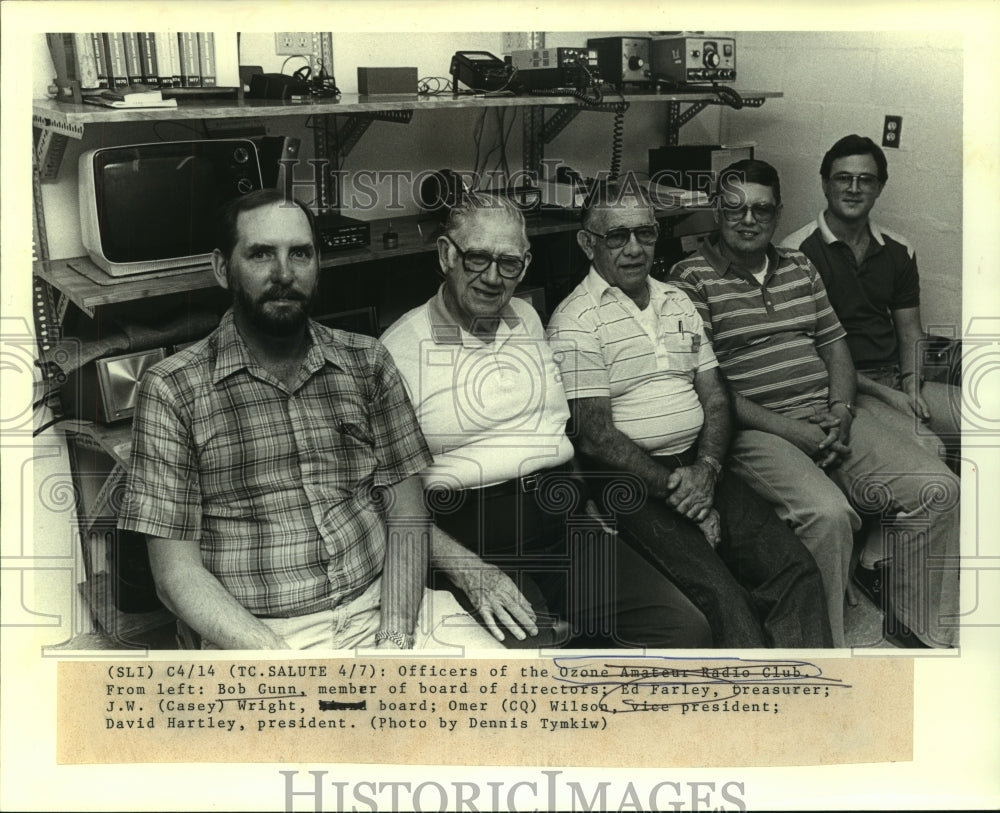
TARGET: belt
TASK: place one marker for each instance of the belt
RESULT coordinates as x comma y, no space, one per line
527,484
881,369
676,461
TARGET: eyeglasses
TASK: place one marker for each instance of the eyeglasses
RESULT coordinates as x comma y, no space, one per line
617,238
476,261
762,212
845,180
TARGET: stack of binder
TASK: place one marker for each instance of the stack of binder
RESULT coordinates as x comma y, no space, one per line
89,64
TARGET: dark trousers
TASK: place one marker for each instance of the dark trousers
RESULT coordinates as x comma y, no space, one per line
568,566
759,588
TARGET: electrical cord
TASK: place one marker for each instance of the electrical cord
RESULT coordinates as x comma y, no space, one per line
322,85
477,138
49,424
617,139
434,85
576,94
44,399
506,135
728,95
289,59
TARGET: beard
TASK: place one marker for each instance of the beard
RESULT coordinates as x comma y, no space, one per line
271,318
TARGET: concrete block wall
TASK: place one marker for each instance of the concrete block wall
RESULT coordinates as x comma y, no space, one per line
836,83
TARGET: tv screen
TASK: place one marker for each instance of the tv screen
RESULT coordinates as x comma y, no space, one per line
150,207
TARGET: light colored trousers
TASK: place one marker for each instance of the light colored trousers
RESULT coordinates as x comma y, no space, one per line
443,627
943,400
888,475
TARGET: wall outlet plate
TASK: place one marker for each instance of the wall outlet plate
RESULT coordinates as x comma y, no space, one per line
521,41
891,131
292,43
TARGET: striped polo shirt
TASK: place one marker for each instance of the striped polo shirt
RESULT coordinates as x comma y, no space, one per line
765,334
643,360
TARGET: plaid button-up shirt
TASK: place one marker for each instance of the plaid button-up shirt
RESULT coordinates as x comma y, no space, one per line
279,486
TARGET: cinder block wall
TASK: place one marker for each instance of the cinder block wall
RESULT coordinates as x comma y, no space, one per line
835,83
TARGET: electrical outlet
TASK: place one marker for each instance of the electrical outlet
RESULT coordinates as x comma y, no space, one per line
513,42
521,41
292,43
891,131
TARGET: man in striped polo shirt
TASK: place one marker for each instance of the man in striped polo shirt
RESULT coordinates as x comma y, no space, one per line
652,424
802,443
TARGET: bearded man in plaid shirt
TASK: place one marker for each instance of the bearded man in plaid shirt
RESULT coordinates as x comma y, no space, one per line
275,466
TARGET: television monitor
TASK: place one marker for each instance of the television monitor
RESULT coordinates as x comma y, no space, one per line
151,207
359,320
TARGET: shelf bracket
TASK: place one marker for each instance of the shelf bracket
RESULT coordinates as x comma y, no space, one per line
347,137
676,118
558,121
539,131
50,144
331,139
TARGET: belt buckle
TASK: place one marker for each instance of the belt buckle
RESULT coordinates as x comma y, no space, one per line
529,483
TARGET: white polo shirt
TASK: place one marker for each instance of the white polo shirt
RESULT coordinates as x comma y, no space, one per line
645,361
490,412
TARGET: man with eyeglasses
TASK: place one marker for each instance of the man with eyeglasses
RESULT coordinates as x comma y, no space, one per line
488,397
803,443
871,277
651,426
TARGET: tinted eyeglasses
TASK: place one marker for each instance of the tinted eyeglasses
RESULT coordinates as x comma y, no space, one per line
617,238
762,212
476,261
845,180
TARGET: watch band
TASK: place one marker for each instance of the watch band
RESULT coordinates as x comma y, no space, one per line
714,463
848,404
400,639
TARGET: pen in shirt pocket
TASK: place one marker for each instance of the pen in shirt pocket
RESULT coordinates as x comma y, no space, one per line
352,430
695,336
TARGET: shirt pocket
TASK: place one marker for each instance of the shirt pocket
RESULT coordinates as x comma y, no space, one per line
354,448
680,350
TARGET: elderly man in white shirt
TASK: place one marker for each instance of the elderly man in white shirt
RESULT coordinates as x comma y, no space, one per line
488,397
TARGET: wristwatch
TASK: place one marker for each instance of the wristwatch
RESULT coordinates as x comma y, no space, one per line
400,639
848,404
714,464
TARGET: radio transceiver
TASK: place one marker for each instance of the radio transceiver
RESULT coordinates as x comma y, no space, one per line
693,59
622,60
336,232
480,70
545,68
